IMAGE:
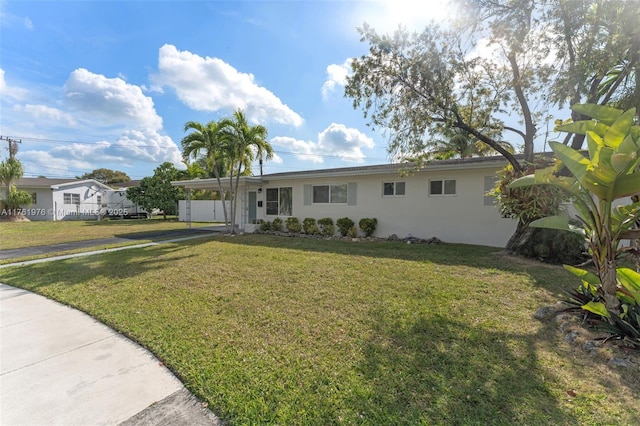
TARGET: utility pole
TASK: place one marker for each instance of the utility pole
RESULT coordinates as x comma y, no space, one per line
13,146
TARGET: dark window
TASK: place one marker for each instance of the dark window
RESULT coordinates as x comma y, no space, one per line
442,187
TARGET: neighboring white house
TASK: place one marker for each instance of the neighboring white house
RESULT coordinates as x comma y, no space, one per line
445,199
62,199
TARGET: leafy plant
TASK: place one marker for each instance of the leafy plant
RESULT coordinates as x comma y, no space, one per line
588,297
309,226
265,226
610,173
368,225
344,225
352,232
276,225
326,226
293,225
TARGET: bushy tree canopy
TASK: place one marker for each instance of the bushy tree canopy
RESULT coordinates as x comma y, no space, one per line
156,192
496,60
106,176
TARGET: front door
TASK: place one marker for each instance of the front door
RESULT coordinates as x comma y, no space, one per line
253,196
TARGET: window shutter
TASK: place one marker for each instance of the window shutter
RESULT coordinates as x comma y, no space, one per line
307,195
489,183
351,193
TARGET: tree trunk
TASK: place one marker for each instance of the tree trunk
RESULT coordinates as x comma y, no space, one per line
519,239
609,285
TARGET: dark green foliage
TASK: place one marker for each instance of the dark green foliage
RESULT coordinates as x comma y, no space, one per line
368,225
352,232
588,299
309,226
106,176
265,226
293,225
276,225
554,246
156,192
344,225
326,226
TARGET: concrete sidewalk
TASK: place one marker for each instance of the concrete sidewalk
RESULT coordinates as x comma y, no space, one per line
59,366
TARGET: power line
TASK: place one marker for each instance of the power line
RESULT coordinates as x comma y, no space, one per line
279,152
13,147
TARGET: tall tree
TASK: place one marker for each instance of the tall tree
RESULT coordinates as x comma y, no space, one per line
207,144
245,144
106,176
156,192
11,170
535,55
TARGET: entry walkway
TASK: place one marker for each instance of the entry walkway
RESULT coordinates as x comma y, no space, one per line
58,366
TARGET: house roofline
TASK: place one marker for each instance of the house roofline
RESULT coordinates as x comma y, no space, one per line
455,164
54,183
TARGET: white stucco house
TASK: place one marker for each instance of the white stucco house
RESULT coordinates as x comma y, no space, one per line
445,199
62,199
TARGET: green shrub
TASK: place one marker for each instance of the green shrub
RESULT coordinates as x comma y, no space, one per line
555,246
352,232
265,226
368,225
344,225
309,226
326,226
293,225
276,225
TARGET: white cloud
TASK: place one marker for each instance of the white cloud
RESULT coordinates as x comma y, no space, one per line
11,21
130,129
276,159
45,113
210,84
336,140
336,76
6,91
111,99
38,163
347,143
303,150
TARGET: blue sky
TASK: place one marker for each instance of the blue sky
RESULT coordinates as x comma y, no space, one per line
91,84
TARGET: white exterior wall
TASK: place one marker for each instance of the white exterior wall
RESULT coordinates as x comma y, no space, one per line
42,209
462,218
203,211
86,210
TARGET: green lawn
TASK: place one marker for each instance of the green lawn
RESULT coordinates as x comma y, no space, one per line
38,233
296,331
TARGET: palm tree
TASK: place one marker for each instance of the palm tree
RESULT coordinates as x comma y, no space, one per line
461,144
208,140
10,170
245,144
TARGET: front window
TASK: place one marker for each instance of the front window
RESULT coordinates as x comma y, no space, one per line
71,198
442,187
280,201
334,194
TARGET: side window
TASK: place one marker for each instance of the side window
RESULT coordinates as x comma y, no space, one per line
393,189
442,187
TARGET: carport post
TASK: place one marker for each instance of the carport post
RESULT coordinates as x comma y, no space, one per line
188,207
